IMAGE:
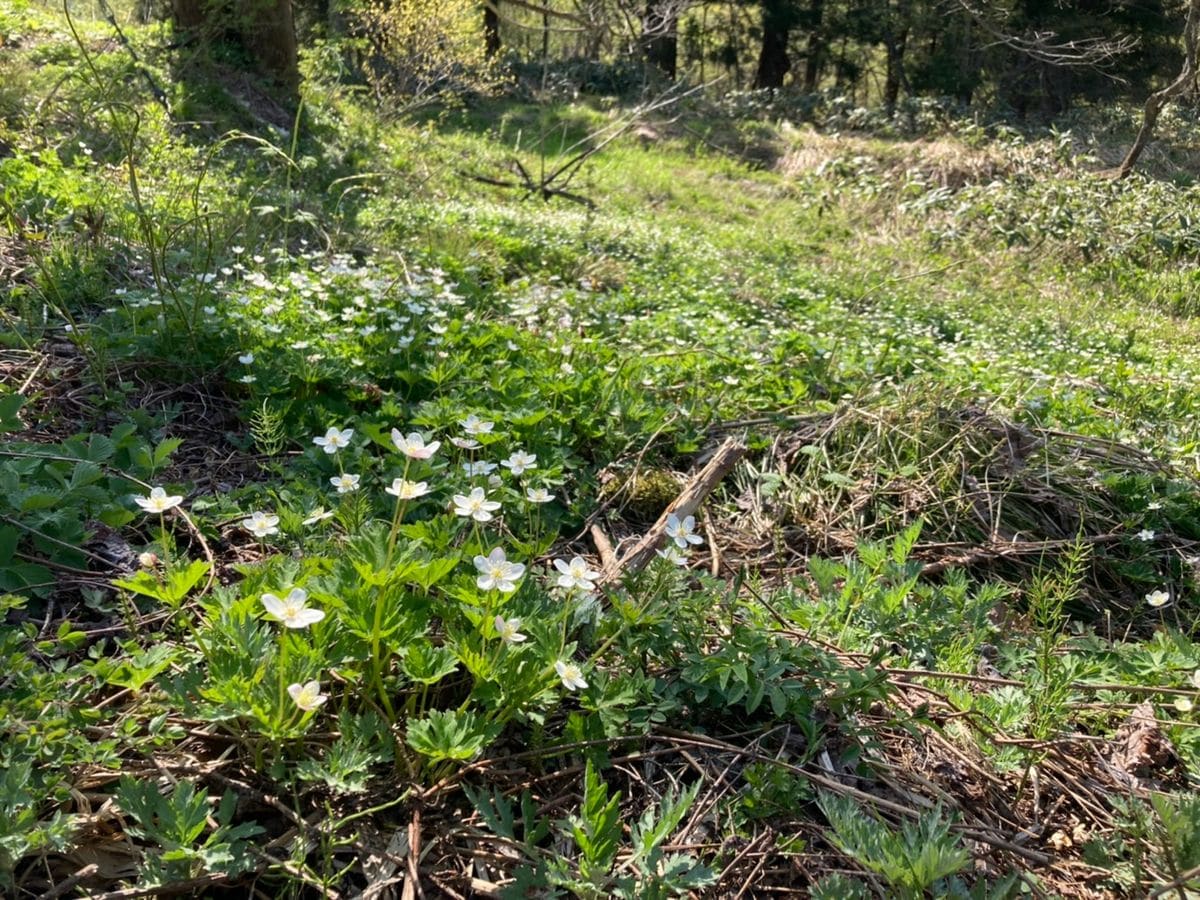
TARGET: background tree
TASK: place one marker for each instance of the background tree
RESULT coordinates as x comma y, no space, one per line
779,17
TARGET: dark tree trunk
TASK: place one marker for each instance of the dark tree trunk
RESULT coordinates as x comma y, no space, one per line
263,27
188,14
269,34
491,28
815,52
895,42
895,79
660,36
773,61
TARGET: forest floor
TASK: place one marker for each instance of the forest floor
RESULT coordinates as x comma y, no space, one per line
908,409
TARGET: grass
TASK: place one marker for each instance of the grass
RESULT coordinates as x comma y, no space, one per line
912,655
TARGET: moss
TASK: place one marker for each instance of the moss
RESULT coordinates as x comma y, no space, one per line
644,494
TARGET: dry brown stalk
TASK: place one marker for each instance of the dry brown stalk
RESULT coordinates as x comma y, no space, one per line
687,503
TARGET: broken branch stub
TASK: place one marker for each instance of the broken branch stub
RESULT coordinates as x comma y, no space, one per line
687,503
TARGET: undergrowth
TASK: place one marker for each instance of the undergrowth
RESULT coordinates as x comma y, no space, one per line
314,444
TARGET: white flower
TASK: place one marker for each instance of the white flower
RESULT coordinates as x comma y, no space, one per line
465,443
1183,704
1146,534
1153,504
413,445
345,483
496,572
246,358
476,505
673,555
334,440
407,490
320,514
507,629
292,610
247,379
472,424
261,524
571,675
576,575
307,696
520,462
683,533
158,501
1158,598
538,495
479,467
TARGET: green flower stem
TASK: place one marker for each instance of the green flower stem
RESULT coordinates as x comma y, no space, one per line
284,715
397,517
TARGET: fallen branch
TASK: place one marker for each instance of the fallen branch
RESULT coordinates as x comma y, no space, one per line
686,504
604,547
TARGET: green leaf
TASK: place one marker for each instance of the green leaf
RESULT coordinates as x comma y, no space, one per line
452,734
597,828
426,664
176,584
10,407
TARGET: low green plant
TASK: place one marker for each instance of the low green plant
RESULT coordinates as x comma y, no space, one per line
190,836
910,861
599,839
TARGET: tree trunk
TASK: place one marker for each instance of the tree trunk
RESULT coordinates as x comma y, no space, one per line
270,37
188,14
491,28
815,52
895,72
895,40
1156,101
773,61
660,36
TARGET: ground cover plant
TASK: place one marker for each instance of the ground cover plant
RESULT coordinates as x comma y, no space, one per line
328,467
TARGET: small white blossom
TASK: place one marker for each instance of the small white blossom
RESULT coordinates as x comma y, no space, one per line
1146,534
261,524
413,445
683,532
576,575
571,675
475,505
334,439
293,610
673,555
1158,598
1183,704
520,462
538,495
407,490
345,483
472,424
496,572
320,514
479,467
158,501
307,696
508,630
465,443
246,358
